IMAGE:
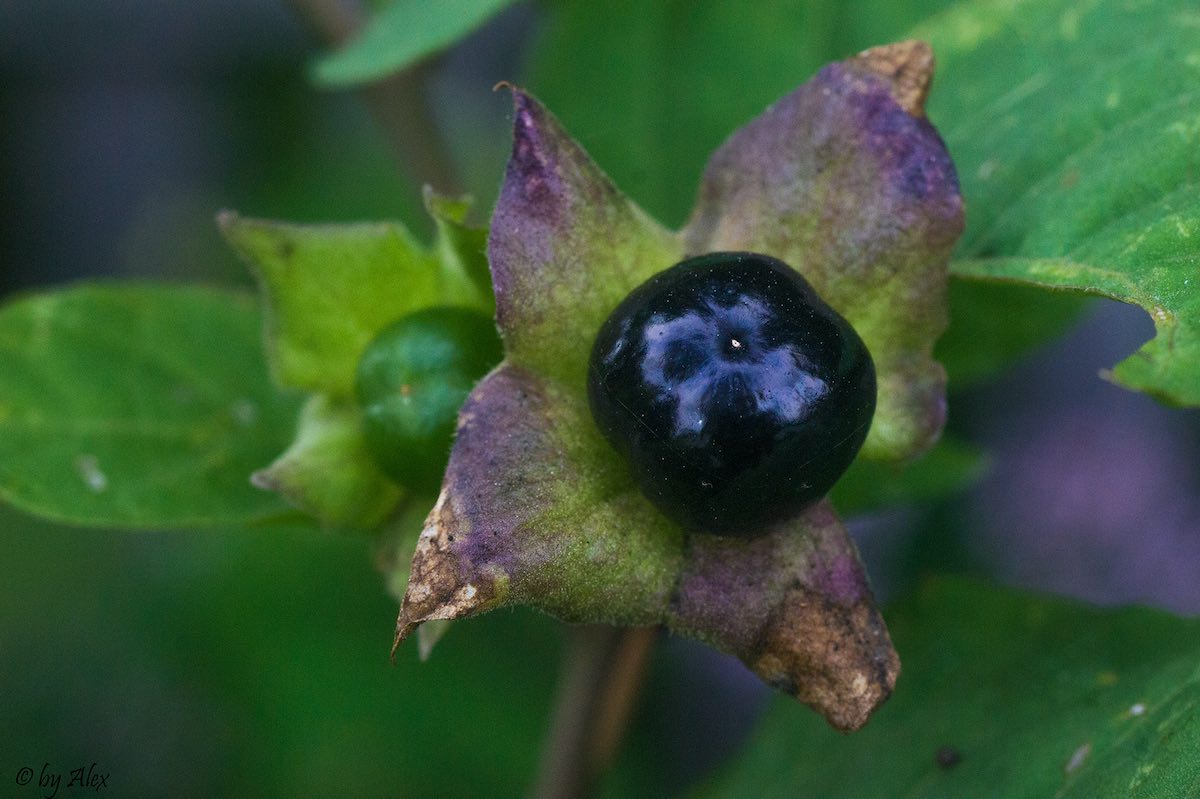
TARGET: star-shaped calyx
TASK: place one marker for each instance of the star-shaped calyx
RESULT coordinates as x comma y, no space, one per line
845,180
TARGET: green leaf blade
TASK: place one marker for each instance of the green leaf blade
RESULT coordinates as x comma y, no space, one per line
401,34
139,406
1039,697
1077,145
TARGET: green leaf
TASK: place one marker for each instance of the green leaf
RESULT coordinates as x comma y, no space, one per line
1076,142
1033,697
400,34
327,471
137,406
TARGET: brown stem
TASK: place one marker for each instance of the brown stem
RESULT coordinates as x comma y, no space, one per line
398,103
602,674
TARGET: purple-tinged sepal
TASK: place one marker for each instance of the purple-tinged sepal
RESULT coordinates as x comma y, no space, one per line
795,605
848,182
537,510
565,247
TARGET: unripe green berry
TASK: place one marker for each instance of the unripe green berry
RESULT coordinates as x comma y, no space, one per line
411,381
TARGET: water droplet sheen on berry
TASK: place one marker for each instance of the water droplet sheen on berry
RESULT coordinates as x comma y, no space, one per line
735,393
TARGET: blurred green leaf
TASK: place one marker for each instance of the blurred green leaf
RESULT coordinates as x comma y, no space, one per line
651,89
137,405
1032,697
949,467
400,34
1078,147
255,663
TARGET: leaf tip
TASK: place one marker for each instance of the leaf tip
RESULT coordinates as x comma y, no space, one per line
265,479
446,207
226,219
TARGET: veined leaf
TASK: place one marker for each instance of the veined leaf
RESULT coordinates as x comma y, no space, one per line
1003,694
138,406
1076,128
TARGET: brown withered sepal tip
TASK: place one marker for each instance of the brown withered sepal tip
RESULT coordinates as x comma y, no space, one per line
806,622
908,66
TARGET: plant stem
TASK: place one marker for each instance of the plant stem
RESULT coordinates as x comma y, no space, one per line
603,671
398,103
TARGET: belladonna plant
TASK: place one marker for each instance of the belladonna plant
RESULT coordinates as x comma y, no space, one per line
844,179
633,428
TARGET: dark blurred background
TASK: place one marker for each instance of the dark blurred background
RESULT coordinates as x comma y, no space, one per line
254,663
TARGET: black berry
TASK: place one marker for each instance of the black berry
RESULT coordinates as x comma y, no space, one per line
736,394
411,381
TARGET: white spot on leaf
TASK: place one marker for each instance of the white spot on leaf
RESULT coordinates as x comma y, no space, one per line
244,412
1077,758
88,468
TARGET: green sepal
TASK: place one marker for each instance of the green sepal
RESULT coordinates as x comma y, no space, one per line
537,509
846,180
328,289
461,249
327,471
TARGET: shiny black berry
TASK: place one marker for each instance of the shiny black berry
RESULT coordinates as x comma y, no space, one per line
736,394
411,381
